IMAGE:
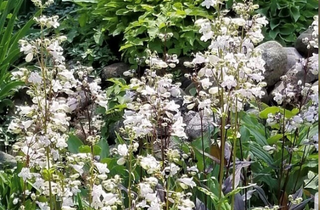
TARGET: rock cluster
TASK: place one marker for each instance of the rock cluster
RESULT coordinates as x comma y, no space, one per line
279,61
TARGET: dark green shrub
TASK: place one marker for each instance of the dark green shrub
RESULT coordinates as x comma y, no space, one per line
10,54
287,18
141,22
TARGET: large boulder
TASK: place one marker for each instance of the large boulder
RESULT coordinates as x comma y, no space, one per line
115,70
7,161
302,47
307,73
293,57
193,124
275,57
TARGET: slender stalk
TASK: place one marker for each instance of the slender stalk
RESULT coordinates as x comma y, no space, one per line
203,155
234,155
281,194
130,171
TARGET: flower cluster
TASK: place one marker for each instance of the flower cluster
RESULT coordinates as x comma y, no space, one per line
231,64
42,126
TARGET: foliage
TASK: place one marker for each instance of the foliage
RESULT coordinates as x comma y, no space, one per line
11,190
145,24
66,162
287,18
86,40
9,55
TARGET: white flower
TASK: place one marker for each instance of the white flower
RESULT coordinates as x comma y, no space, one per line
122,150
61,143
210,3
149,163
205,83
35,78
278,98
172,106
177,128
229,82
173,169
78,168
185,182
102,168
25,174
199,59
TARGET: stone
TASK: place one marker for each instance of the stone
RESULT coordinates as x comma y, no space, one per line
193,124
293,56
7,161
275,57
298,72
115,70
302,47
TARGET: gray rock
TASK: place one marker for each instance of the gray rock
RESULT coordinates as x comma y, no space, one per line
299,72
302,47
114,70
293,57
7,161
276,60
193,124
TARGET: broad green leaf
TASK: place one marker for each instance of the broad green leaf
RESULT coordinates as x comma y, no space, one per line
104,148
273,33
83,19
8,89
74,143
274,22
270,110
286,29
126,46
274,139
295,12
84,149
81,1
261,154
147,7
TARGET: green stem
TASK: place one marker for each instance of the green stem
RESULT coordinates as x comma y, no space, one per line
130,171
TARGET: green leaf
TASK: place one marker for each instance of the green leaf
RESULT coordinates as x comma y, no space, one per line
147,7
274,22
287,29
274,139
7,89
74,143
98,37
273,33
81,1
153,32
261,154
295,12
104,148
126,46
122,11
284,12
83,19
270,110
84,149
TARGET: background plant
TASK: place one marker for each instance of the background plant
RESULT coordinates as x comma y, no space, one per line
287,18
137,25
10,54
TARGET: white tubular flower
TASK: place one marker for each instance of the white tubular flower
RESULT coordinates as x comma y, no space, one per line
186,182
199,59
122,150
205,83
210,3
149,163
25,174
229,82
